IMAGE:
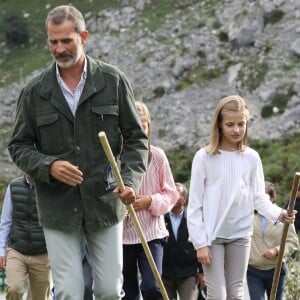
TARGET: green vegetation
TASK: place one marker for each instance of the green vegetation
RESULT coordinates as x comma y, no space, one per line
273,17
291,64
155,14
279,100
252,74
159,91
198,75
19,61
16,29
223,36
181,163
3,186
280,160
292,280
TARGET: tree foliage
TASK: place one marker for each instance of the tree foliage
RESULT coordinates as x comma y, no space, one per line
16,30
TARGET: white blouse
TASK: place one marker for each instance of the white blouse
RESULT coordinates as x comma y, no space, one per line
224,191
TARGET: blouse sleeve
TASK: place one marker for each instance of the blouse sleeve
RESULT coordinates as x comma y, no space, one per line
195,220
262,201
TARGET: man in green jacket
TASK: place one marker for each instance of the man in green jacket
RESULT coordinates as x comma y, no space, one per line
55,140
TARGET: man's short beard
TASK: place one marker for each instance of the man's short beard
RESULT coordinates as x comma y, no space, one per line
67,64
71,62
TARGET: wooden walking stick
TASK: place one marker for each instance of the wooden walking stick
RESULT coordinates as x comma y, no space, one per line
111,159
284,236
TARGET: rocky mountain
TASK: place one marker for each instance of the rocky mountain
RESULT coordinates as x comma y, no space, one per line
182,64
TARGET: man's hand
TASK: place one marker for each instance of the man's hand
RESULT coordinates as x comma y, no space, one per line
65,172
270,253
127,196
3,262
201,281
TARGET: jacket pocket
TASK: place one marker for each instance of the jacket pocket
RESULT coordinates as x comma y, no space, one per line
50,136
103,110
106,118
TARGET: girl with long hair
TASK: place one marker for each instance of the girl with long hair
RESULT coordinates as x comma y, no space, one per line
227,184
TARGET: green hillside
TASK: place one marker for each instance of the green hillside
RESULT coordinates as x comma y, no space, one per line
17,61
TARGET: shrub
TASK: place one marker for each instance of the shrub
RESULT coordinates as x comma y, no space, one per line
267,111
16,30
279,100
159,91
273,17
223,36
292,287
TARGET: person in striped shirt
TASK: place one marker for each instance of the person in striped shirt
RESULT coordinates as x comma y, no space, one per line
156,197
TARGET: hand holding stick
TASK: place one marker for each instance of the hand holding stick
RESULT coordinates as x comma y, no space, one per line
111,159
284,236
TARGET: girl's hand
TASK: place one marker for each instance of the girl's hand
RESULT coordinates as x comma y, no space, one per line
287,218
204,256
142,202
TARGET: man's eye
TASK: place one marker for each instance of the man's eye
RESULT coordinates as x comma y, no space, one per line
66,41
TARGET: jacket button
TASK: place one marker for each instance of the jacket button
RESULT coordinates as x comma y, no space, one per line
77,148
75,210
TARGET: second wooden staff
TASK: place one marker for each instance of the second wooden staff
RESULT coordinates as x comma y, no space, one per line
284,236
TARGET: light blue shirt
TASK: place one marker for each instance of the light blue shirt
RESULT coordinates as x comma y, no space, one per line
175,222
264,222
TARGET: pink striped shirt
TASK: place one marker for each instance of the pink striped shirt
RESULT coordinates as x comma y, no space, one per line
158,182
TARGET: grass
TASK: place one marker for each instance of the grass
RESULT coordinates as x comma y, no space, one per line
18,62
155,13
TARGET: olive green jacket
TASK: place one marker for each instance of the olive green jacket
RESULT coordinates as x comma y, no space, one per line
45,130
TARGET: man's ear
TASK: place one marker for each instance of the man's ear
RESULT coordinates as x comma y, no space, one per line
84,36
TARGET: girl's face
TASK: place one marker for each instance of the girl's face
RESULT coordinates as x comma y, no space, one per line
233,128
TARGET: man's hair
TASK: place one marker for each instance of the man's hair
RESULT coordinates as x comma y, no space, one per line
62,13
270,189
182,189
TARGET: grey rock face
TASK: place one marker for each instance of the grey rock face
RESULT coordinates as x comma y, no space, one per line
191,60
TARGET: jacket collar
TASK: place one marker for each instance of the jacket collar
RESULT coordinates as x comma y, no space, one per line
49,87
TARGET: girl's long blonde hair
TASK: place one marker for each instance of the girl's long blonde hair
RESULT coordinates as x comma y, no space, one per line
232,103
144,112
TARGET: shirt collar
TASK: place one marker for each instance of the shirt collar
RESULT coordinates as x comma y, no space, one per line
177,216
28,182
